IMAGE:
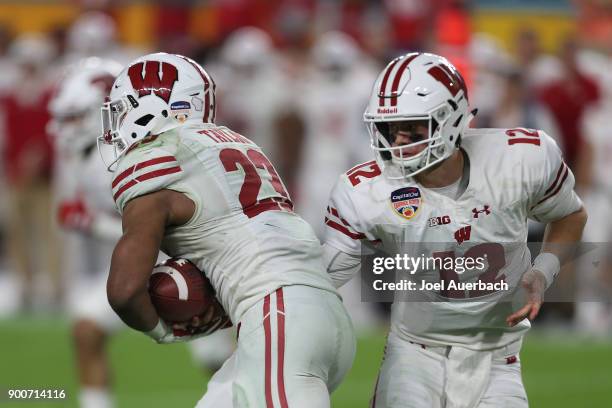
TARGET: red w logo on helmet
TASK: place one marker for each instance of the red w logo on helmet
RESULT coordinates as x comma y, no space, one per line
160,81
449,77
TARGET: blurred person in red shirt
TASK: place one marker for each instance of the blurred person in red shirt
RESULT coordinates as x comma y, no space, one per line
568,97
27,159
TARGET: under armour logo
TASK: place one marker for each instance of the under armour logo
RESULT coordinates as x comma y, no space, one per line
486,210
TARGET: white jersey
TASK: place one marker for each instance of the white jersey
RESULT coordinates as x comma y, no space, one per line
83,177
87,256
514,175
244,234
92,181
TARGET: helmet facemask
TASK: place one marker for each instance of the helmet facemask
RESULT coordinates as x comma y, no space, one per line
394,160
126,122
417,87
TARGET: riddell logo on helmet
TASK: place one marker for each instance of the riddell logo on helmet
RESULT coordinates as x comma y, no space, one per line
387,110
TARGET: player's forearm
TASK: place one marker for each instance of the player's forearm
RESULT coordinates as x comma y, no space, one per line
560,234
127,287
558,246
341,266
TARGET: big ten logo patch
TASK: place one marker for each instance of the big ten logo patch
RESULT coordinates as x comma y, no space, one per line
435,221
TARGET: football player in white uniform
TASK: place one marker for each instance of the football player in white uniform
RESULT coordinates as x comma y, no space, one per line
330,103
85,208
436,181
205,193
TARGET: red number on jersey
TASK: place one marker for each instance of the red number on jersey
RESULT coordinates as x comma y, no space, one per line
249,192
494,253
532,136
496,258
448,275
263,163
365,170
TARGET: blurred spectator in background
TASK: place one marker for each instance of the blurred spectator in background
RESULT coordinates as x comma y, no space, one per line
567,98
518,108
94,34
28,162
7,66
330,103
538,68
7,80
489,62
89,218
452,32
251,87
410,22
594,164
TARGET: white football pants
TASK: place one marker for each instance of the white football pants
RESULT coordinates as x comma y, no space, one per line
418,376
294,348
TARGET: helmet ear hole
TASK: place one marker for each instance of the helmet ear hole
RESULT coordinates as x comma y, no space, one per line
144,120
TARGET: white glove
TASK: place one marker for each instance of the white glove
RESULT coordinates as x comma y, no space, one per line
164,334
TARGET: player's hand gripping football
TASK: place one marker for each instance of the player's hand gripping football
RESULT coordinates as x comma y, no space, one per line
213,319
534,284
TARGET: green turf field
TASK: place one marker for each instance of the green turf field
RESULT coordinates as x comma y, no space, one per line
558,371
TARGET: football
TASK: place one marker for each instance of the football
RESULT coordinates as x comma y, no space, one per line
180,291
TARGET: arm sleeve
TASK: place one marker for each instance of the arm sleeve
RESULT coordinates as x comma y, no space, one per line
341,266
343,227
143,171
551,185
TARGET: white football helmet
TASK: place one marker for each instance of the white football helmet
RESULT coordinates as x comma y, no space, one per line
154,94
335,49
418,87
248,46
93,33
75,106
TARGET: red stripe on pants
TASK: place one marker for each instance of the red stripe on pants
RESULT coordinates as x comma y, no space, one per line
280,307
268,364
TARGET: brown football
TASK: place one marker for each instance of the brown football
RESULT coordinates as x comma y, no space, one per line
179,290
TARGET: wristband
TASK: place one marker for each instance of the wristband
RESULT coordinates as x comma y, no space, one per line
549,265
